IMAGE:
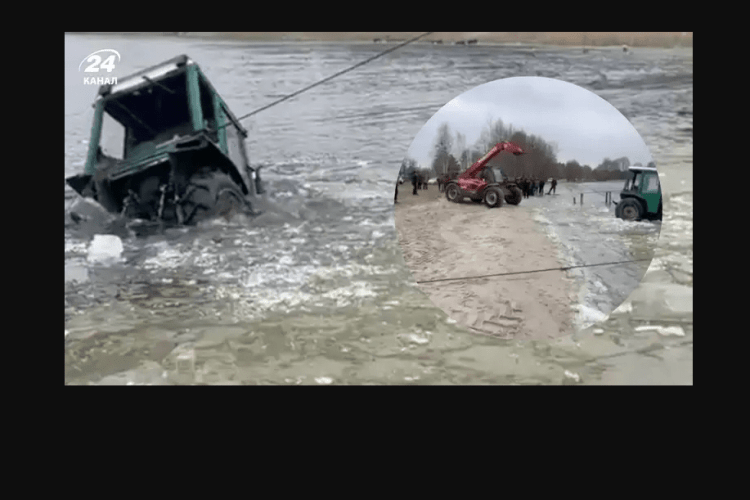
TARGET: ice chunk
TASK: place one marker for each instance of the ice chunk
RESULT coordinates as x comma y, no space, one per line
588,315
663,301
105,248
324,380
662,330
416,339
89,210
671,330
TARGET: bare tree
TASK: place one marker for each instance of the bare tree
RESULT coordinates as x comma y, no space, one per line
460,148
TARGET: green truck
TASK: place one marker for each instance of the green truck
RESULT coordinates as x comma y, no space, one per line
640,198
165,146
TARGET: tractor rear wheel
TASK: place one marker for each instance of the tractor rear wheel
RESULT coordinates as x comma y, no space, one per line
630,209
493,197
211,195
514,196
453,192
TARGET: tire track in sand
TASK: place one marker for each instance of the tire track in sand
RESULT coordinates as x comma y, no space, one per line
441,239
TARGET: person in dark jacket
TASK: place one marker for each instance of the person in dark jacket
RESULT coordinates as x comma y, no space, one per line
554,185
541,187
414,182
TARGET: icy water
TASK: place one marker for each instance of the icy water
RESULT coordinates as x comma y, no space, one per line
317,292
587,235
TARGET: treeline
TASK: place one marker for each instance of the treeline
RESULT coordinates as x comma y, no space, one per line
452,155
410,167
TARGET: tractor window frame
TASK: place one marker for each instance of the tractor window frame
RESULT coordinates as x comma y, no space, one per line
235,145
113,137
651,184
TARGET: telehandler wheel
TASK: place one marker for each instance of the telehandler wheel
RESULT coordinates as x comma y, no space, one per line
211,195
514,196
493,197
453,192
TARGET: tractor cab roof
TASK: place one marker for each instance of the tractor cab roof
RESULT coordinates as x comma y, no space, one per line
142,77
159,72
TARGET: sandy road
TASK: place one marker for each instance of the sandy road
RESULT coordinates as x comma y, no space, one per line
441,239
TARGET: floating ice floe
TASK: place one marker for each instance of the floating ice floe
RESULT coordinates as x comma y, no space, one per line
588,315
105,248
323,380
662,300
662,330
416,339
572,376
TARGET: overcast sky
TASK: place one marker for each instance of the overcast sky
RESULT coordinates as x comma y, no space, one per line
585,127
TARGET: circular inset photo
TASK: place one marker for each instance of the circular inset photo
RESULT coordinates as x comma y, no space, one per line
528,208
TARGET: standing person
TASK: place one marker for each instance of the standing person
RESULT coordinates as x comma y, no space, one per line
525,186
554,185
395,196
414,181
541,187
532,188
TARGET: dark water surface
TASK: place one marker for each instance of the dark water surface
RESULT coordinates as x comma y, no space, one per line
317,291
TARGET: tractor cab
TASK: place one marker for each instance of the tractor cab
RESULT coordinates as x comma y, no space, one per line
640,197
159,134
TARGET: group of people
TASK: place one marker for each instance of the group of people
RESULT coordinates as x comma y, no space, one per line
417,181
534,187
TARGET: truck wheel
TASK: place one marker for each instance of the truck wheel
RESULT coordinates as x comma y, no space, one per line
493,197
514,196
209,196
630,209
453,192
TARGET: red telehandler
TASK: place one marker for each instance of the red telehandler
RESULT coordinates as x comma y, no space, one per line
488,185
